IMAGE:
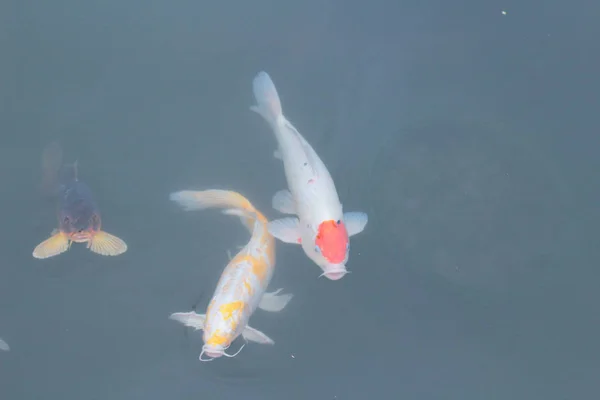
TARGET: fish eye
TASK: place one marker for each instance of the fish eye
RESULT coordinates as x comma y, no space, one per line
339,221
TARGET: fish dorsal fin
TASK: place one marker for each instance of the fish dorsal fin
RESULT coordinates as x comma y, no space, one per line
75,166
69,171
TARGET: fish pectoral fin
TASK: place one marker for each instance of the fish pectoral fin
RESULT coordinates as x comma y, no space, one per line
190,319
106,244
54,245
284,202
355,222
254,335
274,302
4,346
286,229
230,255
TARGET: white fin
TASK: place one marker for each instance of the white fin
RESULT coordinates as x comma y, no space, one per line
190,319
212,198
268,104
286,229
277,155
248,218
190,200
284,202
240,213
254,335
229,255
4,346
355,222
271,302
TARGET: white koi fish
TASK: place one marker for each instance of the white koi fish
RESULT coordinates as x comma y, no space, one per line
321,227
243,283
4,346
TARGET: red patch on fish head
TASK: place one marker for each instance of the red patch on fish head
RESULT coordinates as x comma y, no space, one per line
332,241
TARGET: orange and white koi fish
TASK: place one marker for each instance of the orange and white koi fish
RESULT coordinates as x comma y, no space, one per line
321,227
4,346
78,214
242,286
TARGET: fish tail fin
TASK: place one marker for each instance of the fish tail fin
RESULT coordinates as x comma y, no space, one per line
215,198
248,217
52,157
70,172
75,168
268,104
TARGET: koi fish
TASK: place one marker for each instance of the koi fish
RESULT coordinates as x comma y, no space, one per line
4,346
78,215
242,286
321,227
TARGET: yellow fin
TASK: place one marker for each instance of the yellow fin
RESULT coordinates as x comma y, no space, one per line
107,245
54,245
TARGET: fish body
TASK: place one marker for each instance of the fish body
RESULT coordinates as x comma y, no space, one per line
241,289
78,214
321,226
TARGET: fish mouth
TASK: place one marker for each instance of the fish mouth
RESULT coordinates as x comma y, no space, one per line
334,272
81,237
213,352
209,353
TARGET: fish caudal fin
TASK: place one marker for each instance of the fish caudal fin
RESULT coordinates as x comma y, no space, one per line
268,104
284,202
190,319
54,245
4,346
248,218
214,198
106,244
274,302
254,335
355,222
51,163
286,229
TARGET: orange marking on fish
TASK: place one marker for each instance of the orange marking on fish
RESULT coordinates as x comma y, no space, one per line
332,239
260,270
218,339
241,258
228,309
248,287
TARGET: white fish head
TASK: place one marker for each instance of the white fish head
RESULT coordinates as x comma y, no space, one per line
216,341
